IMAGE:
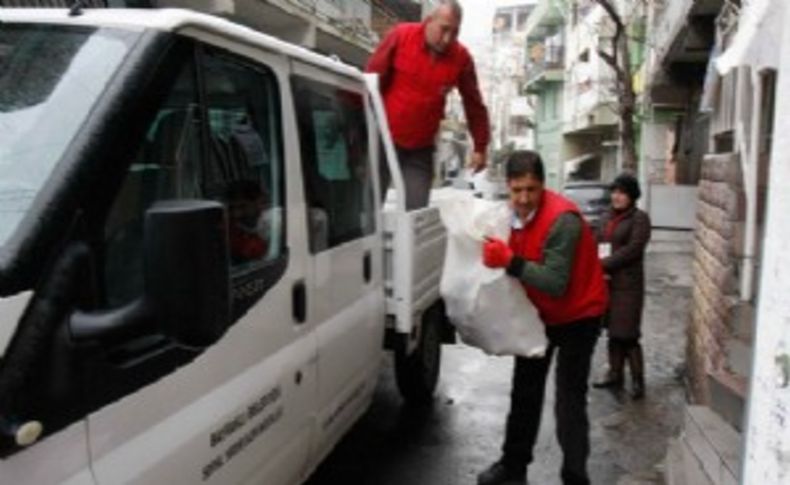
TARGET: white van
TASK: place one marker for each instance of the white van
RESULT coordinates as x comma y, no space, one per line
196,275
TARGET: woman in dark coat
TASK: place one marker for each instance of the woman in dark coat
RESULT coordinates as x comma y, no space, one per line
624,234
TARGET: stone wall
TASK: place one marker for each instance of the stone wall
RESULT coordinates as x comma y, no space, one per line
717,245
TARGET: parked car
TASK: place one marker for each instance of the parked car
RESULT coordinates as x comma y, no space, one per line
591,196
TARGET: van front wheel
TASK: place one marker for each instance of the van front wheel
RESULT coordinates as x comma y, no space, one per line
417,373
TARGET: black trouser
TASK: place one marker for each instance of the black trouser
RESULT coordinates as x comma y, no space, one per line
416,166
624,343
574,343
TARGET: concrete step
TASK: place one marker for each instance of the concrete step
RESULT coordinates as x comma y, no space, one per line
668,241
742,322
706,453
739,356
682,467
728,393
714,443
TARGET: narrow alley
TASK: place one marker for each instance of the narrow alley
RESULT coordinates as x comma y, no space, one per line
461,434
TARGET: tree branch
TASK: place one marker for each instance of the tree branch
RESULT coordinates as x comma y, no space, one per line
619,61
609,59
612,12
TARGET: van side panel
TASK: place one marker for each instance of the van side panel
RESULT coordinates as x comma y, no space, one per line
250,422
60,458
11,309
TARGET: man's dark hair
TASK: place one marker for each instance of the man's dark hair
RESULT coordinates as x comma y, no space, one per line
524,162
244,190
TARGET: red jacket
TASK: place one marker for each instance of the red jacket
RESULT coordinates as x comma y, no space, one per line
245,245
414,83
586,295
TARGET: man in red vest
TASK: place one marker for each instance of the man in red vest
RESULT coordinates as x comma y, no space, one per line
553,253
418,65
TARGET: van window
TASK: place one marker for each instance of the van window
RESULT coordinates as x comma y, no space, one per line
338,181
245,156
234,156
165,167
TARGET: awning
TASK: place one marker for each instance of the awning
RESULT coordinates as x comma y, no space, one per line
758,41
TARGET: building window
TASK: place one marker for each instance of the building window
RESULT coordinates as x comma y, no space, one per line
503,22
521,21
519,126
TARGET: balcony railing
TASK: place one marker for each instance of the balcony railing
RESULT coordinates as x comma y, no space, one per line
548,59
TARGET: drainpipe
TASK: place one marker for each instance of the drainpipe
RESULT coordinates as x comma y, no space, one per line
749,167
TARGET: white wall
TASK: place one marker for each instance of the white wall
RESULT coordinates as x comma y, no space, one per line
767,455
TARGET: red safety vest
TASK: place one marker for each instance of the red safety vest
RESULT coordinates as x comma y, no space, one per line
419,86
586,295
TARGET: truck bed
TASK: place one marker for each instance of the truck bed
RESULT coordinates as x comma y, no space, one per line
414,247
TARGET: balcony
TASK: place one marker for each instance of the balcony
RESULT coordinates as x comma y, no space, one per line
589,112
681,36
545,20
338,27
683,31
546,63
386,13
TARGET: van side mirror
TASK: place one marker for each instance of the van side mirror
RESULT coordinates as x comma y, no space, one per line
187,270
187,280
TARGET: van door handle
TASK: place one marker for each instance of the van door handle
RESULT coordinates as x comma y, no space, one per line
299,302
366,267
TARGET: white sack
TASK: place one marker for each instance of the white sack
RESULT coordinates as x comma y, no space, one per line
488,308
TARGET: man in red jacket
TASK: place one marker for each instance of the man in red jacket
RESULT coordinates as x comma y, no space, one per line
553,253
418,65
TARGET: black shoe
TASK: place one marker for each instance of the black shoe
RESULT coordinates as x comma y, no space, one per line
636,362
638,389
609,382
569,478
499,474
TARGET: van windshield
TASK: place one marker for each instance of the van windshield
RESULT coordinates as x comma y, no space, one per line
50,78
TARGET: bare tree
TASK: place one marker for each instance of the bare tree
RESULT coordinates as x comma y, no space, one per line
618,57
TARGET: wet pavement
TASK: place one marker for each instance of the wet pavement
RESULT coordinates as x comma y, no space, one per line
450,442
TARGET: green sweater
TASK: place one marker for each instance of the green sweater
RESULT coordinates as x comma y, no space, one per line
553,275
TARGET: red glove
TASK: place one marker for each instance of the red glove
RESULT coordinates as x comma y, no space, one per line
496,253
